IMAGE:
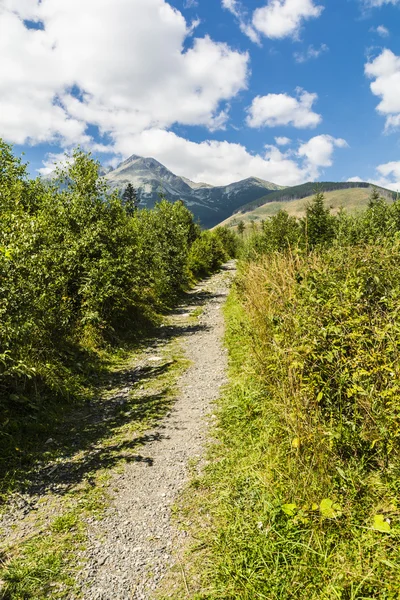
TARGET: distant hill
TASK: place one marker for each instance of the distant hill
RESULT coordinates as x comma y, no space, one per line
305,190
210,204
353,199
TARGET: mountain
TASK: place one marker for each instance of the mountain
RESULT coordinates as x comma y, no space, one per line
353,199
210,204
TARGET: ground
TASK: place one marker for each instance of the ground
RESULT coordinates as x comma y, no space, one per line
105,511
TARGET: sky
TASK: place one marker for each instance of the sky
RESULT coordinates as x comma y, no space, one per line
217,90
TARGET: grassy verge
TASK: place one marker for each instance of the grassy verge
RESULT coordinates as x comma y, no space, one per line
300,497
44,562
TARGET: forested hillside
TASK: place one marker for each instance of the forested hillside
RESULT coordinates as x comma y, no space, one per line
304,190
300,496
352,200
81,272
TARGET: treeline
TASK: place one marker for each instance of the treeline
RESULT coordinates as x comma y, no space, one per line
297,192
81,269
302,494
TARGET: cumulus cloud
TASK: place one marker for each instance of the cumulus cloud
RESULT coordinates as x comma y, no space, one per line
387,176
220,163
310,53
131,69
121,67
284,18
319,152
385,71
281,109
283,141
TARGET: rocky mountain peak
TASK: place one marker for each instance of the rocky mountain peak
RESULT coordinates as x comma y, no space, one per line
210,204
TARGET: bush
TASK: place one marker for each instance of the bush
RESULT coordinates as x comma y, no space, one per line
207,254
79,270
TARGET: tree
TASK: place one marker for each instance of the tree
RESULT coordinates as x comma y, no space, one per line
374,198
283,231
241,227
130,199
318,223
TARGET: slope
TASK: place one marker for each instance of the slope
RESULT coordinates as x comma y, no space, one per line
352,199
308,189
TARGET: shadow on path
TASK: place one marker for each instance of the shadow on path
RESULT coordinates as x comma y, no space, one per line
87,438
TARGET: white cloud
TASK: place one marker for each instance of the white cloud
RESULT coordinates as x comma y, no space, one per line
310,53
382,31
319,151
123,67
284,18
126,60
373,3
355,179
220,163
232,6
238,11
52,161
388,176
283,141
190,4
385,70
282,109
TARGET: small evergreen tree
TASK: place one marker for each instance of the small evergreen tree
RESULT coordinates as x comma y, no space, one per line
374,198
241,227
318,223
130,199
283,231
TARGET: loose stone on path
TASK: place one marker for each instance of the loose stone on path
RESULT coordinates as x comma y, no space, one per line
131,548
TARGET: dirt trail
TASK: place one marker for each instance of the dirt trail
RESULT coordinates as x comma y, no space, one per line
131,548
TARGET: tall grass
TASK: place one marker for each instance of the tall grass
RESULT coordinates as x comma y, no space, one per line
300,498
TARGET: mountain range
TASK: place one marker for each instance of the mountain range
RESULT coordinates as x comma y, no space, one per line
209,204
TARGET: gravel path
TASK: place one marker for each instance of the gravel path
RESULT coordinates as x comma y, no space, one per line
132,547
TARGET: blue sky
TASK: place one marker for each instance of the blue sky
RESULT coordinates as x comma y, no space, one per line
217,90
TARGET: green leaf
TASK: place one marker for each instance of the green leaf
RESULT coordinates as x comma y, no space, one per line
289,509
329,510
381,524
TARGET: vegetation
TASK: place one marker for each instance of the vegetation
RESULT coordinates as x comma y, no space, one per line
241,227
81,271
354,200
304,190
300,496
130,199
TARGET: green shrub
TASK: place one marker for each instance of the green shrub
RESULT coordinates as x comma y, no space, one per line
207,254
80,271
